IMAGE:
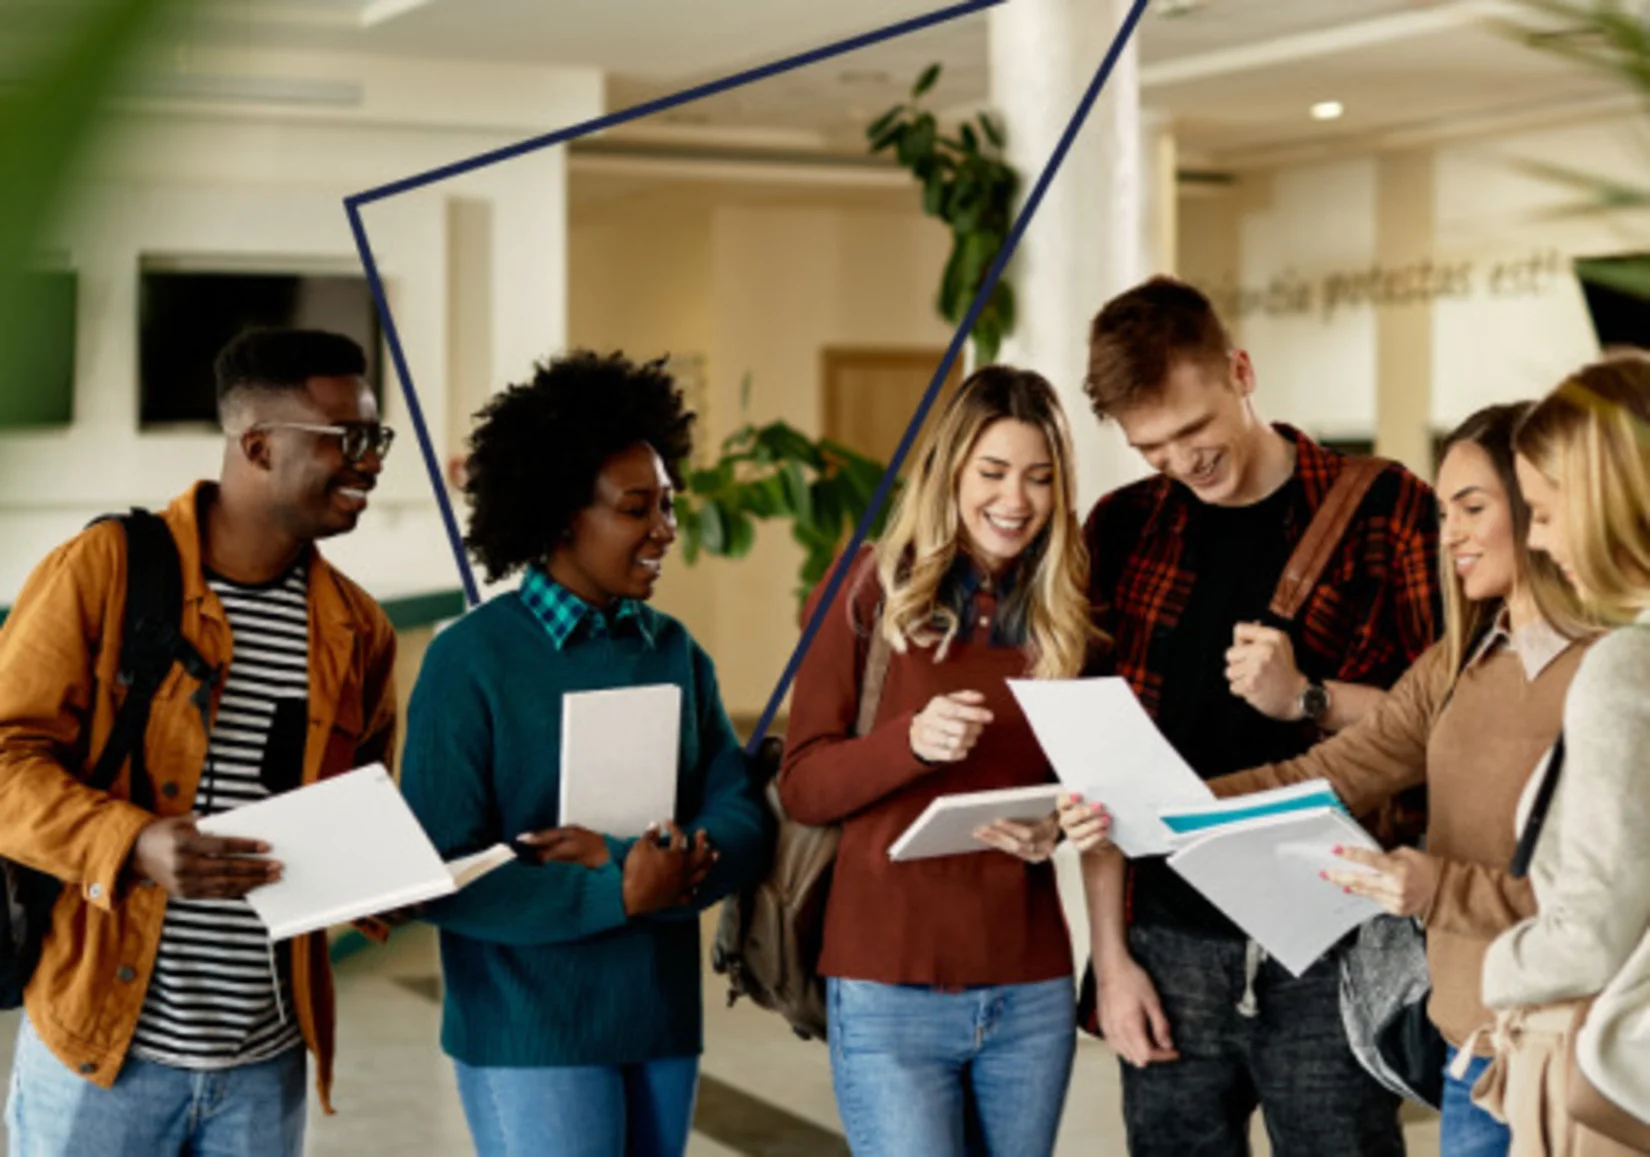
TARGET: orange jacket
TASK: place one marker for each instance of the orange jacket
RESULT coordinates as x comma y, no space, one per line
59,652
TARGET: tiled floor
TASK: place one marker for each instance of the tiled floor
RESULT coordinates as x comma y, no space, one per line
766,1094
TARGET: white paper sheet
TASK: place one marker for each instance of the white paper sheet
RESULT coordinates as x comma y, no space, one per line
619,751
349,846
946,827
1263,874
1104,745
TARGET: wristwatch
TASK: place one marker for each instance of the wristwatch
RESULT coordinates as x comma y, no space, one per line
1314,702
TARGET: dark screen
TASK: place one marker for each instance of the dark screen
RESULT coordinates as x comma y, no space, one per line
1616,289
186,318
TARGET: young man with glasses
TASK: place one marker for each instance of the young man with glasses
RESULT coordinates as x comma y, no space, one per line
159,1019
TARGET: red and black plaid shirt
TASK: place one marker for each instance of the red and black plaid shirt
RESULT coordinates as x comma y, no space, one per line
1371,615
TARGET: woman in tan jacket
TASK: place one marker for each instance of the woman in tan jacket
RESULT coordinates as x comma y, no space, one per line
1470,720
1584,465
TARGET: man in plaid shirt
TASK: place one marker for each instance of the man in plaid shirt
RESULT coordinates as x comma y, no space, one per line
1183,568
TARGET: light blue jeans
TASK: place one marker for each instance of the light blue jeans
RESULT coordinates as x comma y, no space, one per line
926,1073
1465,1130
641,1110
249,1111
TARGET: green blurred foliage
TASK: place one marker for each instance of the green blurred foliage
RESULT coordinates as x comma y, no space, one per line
1612,37
64,60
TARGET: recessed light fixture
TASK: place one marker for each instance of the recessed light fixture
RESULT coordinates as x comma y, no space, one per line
1328,110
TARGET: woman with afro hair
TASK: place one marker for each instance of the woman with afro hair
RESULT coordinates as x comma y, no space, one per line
573,991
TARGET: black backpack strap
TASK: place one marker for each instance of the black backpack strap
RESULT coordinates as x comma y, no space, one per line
1531,835
150,643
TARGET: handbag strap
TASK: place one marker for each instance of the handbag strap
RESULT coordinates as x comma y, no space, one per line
1328,526
1527,839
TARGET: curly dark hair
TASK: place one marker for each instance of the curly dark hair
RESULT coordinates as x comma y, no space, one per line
538,446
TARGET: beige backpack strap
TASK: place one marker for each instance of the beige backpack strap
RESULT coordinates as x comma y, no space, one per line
871,679
1312,554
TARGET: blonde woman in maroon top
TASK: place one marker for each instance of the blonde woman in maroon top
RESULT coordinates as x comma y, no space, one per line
949,980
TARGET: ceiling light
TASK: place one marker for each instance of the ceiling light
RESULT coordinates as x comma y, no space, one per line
1328,110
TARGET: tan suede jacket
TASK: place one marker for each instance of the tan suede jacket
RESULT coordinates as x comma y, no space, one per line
58,699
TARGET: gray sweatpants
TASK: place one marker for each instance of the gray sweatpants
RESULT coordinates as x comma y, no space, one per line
1250,1038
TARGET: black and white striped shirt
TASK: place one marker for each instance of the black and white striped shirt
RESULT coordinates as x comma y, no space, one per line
218,996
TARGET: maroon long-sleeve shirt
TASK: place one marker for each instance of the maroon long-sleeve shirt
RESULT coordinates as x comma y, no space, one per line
955,921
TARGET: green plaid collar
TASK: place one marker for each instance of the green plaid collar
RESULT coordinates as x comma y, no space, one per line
562,612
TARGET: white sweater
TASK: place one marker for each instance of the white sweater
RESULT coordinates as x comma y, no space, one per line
1591,869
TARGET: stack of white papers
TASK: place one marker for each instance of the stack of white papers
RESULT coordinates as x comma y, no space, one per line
947,826
1104,746
1186,824
1257,858
349,846
619,752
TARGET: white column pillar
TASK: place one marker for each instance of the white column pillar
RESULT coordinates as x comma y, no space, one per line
1088,240
1085,243
1160,200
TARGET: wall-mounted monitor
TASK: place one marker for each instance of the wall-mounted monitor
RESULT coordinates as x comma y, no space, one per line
185,316
37,361
1617,289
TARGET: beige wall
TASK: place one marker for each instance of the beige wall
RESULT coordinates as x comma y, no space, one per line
756,281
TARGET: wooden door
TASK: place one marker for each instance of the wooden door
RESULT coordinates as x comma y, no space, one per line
870,395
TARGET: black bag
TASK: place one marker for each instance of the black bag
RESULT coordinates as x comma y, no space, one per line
149,644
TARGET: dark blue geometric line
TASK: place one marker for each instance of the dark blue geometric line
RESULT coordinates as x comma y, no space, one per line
352,206
991,278
426,447
710,88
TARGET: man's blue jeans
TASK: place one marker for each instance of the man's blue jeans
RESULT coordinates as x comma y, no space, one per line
641,1110
1465,1130
926,1073
249,1111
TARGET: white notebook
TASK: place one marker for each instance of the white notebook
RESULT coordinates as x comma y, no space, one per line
1263,874
619,751
947,826
349,846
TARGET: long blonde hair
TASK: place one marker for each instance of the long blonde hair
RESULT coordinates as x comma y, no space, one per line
1465,620
1590,438
915,557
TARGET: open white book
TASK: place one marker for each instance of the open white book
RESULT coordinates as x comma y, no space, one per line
1263,873
349,846
947,826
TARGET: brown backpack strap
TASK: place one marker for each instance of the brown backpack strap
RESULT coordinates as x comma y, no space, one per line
871,679
1306,565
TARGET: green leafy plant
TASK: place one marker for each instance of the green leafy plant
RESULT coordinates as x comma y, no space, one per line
967,184
80,52
1611,37
772,472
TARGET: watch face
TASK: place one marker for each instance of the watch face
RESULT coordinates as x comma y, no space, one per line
1315,702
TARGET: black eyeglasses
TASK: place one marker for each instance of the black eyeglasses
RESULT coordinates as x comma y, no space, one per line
356,439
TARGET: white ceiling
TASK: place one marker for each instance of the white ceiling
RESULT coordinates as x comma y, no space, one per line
1237,75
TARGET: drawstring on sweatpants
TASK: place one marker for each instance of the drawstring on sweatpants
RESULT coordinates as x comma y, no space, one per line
1253,957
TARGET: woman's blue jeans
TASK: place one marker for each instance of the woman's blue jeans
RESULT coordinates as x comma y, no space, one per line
926,1073
641,1110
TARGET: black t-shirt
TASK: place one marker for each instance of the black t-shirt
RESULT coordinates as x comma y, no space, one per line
1237,555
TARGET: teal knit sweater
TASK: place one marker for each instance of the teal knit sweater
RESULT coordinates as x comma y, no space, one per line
542,966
